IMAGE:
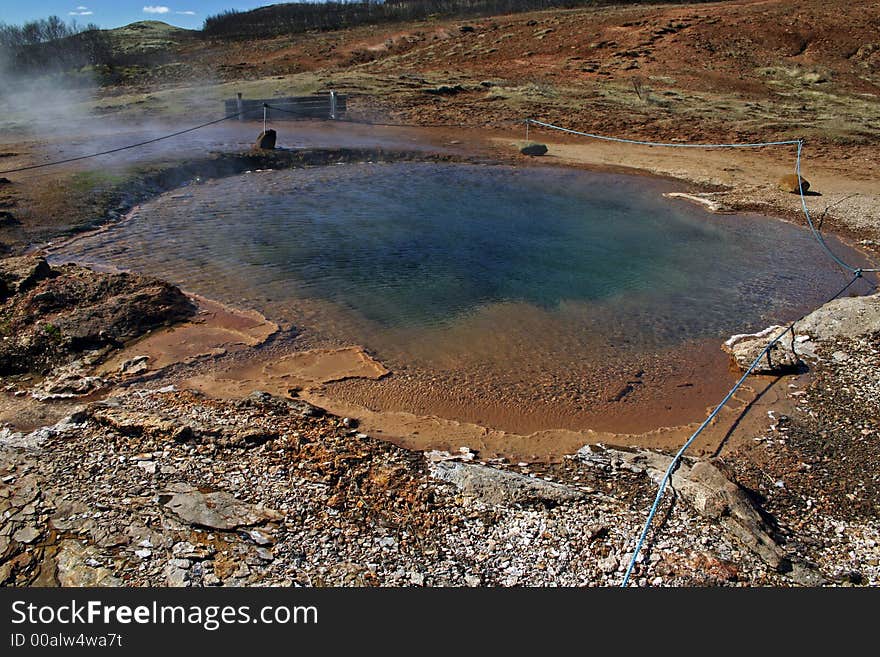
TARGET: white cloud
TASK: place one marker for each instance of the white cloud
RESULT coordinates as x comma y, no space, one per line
83,11
156,9
81,8
186,13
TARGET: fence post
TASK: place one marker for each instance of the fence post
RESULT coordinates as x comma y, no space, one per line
240,104
333,105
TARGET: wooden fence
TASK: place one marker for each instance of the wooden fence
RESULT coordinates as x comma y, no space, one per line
318,106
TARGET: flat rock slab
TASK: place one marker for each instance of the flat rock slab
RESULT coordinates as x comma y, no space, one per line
850,317
217,510
500,486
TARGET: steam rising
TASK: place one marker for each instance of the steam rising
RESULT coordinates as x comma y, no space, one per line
64,111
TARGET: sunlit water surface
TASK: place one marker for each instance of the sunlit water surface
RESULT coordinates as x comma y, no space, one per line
509,276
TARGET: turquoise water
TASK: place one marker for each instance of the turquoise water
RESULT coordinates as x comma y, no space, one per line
422,246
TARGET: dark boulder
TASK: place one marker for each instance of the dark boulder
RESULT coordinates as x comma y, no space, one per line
51,315
266,140
533,149
21,273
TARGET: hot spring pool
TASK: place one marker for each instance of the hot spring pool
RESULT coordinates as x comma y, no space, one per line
490,290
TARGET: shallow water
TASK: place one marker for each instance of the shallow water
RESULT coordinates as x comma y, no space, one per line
514,275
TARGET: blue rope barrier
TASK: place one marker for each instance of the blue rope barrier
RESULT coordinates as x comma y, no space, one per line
813,229
121,148
680,453
855,271
621,140
789,142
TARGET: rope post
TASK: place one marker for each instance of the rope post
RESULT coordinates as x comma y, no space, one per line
240,104
265,110
333,105
528,121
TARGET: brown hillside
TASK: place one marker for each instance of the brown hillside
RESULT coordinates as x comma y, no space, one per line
732,69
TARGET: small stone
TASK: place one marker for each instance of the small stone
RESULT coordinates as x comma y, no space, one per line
143,553
259,537
217,510
136,365
744,348
70,560
176,577
608,564
472,580
26,534
186,550
416,579
148,467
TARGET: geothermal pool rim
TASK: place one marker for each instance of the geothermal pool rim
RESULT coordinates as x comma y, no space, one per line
856,272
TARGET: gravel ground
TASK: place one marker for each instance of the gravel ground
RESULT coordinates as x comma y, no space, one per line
128,492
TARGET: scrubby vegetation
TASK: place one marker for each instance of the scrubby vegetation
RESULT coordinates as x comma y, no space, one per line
304,16
51,44
40,31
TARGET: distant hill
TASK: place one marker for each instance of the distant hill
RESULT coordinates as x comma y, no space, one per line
147,37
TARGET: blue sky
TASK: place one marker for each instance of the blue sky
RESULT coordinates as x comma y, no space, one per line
113,13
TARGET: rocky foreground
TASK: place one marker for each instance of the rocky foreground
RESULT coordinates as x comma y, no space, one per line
161,487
